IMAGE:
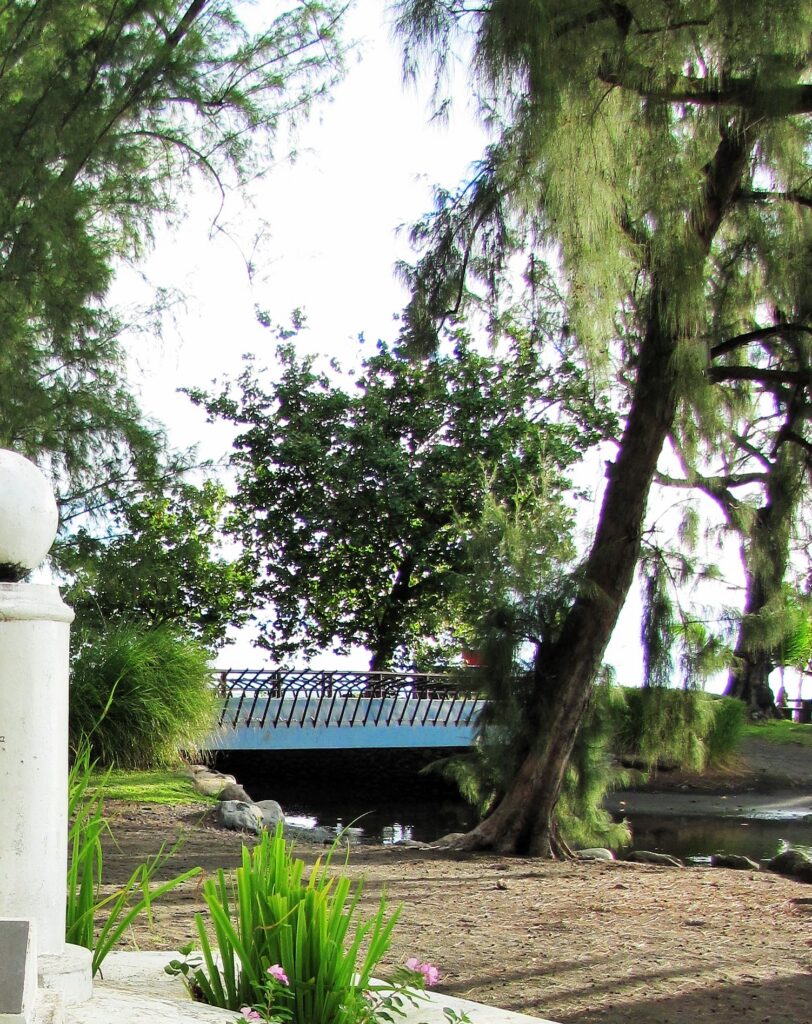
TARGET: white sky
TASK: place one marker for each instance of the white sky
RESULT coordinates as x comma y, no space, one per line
367,161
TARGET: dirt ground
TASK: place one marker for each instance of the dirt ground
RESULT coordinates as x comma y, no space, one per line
592,943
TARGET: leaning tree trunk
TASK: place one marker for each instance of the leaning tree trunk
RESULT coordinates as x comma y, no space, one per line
565,669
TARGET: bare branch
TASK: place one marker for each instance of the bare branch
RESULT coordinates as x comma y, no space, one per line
760,375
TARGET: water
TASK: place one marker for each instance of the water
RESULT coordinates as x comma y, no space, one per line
382,797
697,838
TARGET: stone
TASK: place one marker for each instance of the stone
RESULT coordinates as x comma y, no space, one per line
239,815
233,791
209,785
734,861
595,853
794,863
18,970
448,840
300,833
272,813
650,857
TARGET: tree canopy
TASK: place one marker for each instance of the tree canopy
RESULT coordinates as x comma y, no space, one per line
356,498
157,559
106,108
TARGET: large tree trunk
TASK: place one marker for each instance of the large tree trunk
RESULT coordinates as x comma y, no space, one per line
765,555
565,669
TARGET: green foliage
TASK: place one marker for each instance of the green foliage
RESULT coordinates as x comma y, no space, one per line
85,902
727,729
149,787
483,773
141,695
156,561
356,503
677,728
590,774
107,110
794,650
310,927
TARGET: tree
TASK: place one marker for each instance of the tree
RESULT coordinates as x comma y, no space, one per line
630,137
156,562
750,450
105,109
354,503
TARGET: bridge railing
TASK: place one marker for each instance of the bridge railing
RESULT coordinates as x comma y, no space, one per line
302,698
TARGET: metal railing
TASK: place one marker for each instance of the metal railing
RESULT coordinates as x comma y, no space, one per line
303,698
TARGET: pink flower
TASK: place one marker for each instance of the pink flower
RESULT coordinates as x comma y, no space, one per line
249,1014
430,973
277,972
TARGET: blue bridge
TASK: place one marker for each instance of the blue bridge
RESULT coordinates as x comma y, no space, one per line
292,709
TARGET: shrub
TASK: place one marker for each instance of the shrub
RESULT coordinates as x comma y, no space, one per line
271,917
141,695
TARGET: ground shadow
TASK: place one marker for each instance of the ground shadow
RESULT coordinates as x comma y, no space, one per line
786,1000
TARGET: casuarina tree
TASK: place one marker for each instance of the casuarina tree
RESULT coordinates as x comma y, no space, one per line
108,110
630,138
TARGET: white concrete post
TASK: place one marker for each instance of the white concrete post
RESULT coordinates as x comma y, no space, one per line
34,632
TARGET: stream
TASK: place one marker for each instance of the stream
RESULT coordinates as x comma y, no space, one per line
393,802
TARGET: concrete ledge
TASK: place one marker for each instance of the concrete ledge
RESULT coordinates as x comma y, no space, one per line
68,973
134,989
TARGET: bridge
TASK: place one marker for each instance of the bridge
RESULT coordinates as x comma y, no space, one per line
302,709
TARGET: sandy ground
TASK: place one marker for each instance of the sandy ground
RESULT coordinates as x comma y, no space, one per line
593,943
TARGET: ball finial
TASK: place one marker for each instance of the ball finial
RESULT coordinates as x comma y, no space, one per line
28,515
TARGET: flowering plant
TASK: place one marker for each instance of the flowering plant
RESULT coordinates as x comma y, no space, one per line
267,1010
322,953
407,986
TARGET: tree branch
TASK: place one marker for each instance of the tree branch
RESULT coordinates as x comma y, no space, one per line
761,376
758,196
757,335
744,93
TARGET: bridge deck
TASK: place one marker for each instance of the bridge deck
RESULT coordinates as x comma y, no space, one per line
279,709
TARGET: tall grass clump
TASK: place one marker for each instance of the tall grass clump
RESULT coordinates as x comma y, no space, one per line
141,694
94,920
306,930
726,730
661,727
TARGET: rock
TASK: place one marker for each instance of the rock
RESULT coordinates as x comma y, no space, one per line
735,861
649,857
239,815
310,835
794,863
448,840
234,791
595,853
208,784
272,813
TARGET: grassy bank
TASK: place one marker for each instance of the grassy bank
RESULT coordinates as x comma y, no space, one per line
780,731
151,787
